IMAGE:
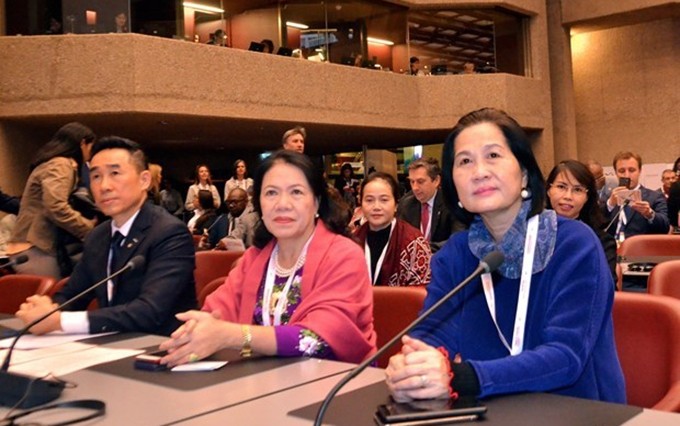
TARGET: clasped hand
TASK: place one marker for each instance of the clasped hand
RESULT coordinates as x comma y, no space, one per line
35,307
420,371
201,335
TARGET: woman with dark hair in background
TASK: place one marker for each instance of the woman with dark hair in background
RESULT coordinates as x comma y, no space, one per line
202,180
347,185
572,193
45,202
674,200
543,321
397,254
301,290
239,179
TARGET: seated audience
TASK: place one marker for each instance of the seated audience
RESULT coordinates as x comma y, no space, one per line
146,298
674,198
239,223
347,185
646,214
268,46
302,290
45,207
543,327
204,216
424,206
604,184
414,66
396,252
219,38
572,194
239,179
202,180
171,199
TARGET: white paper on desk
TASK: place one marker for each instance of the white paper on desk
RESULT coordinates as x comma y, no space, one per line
23,356
74,361
200,366
31,341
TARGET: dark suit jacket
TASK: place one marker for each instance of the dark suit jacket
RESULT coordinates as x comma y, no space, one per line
443,222
637,224
674,203
144,300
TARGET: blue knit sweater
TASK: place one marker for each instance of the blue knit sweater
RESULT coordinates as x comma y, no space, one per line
569,346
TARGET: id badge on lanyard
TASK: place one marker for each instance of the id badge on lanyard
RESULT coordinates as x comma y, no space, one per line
524,288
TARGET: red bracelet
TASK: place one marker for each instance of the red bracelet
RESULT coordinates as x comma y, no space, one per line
453,395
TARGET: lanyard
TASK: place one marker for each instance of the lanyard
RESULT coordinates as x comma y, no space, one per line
524,287
282,299
381,259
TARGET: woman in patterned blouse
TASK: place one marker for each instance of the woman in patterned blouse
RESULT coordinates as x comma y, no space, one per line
301,290
397,254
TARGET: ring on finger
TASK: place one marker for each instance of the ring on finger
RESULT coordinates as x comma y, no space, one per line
423,380
193,357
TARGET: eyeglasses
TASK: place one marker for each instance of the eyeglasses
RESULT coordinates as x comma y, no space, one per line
563,189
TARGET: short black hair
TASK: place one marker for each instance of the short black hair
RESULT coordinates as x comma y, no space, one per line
116,142
414,59
519,146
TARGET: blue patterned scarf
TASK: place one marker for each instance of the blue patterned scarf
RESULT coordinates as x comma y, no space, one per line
482,243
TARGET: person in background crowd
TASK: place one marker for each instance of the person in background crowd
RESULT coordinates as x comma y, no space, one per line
204,215
674,199
414,66
646,215
469,68
556,334
268,46
347,185
424,207
239,223
294,139
156,179
572,194
239,179
302,290
668,178
604,184
219,38
397,254
144,299
45,207
171,199
121,23
202,180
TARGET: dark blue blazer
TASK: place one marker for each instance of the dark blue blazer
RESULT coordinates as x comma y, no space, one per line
144,300
636,223
443,221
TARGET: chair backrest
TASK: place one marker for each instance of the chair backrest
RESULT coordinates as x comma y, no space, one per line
209,288
651,245
647,332
393,309
664,280
93,305
15,288
213,264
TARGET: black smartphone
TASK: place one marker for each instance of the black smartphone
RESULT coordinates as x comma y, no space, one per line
429,412
624,181
151,361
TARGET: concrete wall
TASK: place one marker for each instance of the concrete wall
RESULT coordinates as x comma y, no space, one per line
626,85
576,11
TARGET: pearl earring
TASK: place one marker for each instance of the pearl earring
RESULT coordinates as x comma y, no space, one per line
316,215
460,205
525,193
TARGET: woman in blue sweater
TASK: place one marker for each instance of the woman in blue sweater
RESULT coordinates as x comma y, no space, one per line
542,322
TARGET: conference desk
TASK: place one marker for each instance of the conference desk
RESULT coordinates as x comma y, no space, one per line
270,391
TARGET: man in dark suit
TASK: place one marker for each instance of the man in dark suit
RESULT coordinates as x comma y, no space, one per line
144,299
646,215
424,206
238,224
